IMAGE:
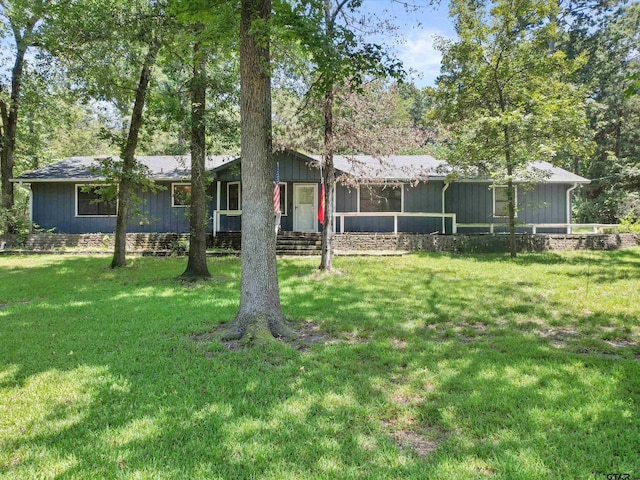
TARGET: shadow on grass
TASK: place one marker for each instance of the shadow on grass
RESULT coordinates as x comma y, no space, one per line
108,383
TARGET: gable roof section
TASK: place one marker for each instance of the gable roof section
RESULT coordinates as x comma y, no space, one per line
363,167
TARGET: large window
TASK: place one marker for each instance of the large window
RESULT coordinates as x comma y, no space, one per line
234,199
501,201
181,194
381,198
90,203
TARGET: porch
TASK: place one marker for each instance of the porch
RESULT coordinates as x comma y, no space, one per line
448,225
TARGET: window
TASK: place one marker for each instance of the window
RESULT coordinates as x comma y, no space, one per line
501,202
89,202
181,194
283,198
234,200
380,198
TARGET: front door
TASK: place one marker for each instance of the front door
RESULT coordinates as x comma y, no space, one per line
305,206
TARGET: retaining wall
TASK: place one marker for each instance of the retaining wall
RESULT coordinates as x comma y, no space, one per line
483,243
479,243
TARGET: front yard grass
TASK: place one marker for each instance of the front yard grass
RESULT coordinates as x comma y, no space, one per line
431,366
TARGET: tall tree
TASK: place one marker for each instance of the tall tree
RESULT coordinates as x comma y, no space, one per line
614,117
260,315
213,73
111,48
505,95
127,174
23,18
197,263
326,30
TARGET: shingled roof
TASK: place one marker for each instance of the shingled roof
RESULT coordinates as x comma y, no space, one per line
176,167
162,167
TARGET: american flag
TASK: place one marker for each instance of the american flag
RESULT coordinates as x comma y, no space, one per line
276,190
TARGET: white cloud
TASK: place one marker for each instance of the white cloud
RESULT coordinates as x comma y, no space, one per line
420,57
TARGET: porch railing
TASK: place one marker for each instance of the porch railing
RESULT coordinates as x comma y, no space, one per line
216,218
595,227
342,215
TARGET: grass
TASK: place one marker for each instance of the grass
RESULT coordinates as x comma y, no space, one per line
437,366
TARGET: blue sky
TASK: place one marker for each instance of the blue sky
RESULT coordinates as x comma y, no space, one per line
415,35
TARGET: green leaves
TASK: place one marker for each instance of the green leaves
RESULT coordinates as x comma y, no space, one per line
501,79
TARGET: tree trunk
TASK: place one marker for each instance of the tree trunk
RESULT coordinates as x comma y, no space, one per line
511,206
329,177
127,182
259,316
197,264
8,140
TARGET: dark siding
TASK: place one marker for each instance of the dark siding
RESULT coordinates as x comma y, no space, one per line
54,207
423,197
293,169
473,203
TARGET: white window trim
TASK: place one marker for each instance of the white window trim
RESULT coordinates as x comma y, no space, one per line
239,194
515,203
173,194
75,194
396,184
286,203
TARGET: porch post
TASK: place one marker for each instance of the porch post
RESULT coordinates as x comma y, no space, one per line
444,189
216,217
575,185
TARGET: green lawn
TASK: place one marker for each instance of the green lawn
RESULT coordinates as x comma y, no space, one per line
435,366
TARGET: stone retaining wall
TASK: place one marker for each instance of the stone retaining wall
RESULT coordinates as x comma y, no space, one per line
96,241
479,243
483,243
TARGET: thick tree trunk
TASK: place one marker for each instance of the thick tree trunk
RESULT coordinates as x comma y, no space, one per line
127,182
8,139
329,177
259,316
197,264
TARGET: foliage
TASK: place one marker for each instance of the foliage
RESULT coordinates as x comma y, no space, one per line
505,95
630,222
18,215
443,367
614,116
366,121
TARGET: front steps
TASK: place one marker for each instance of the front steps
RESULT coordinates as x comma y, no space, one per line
288,243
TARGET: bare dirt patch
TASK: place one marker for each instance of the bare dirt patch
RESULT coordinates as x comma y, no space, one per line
4,306
423,442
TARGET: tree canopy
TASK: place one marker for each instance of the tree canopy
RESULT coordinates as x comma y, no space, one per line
505,93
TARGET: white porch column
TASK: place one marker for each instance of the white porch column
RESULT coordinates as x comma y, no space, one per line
575,185
216,217
444,189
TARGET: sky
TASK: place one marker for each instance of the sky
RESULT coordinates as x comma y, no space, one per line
416,30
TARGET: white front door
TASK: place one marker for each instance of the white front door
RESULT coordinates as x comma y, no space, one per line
305,207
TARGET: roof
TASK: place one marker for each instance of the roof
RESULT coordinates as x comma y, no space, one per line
403,167
162,167
395,167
